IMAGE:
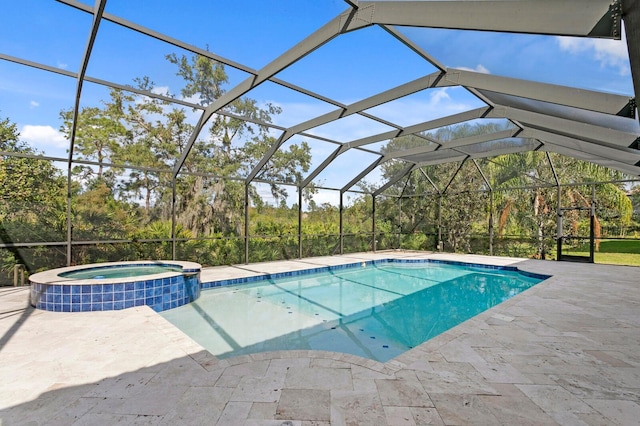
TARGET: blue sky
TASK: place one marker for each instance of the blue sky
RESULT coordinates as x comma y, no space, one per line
349,68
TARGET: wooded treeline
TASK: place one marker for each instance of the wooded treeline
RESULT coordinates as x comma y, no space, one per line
451,202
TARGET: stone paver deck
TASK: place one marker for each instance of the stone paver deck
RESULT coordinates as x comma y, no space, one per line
566,351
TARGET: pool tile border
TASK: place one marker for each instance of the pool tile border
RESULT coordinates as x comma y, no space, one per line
289,274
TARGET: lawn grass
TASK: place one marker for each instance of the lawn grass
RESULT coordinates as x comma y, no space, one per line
612,252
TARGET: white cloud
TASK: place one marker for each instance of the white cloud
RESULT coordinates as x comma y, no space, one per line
62,65
43,137
479,68
161,90
610,53
34,104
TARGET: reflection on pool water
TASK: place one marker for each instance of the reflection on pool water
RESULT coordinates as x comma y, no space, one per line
378,311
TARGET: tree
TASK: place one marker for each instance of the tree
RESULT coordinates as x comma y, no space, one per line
428,200
99,132
32,201
230,148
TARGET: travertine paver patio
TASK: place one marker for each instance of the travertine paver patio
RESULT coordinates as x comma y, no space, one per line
566,351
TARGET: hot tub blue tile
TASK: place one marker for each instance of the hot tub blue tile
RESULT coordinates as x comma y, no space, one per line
161,294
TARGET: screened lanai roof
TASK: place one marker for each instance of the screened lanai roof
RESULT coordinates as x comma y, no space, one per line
351,75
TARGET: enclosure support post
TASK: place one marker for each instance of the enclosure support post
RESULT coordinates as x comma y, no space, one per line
559,230
559,189
490,223
69,216
373,223
300,222
18,275
341,224
440,244
400,223
173,218
246,223
592,220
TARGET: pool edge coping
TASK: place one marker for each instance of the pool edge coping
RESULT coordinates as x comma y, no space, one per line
255,279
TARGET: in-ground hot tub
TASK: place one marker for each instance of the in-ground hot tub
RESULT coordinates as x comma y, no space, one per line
110,286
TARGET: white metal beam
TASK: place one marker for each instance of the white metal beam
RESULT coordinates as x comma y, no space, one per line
623,155
631,16
565,127
552,93
553,17
423,127
471,140
605,162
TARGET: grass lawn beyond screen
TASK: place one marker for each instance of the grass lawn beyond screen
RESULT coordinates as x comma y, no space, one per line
614,252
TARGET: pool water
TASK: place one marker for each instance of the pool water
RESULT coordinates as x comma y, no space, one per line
119,271
377,311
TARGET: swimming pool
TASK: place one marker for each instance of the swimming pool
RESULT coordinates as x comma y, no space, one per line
120,271
377,311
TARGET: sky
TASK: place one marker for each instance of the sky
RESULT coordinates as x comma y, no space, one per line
349,68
